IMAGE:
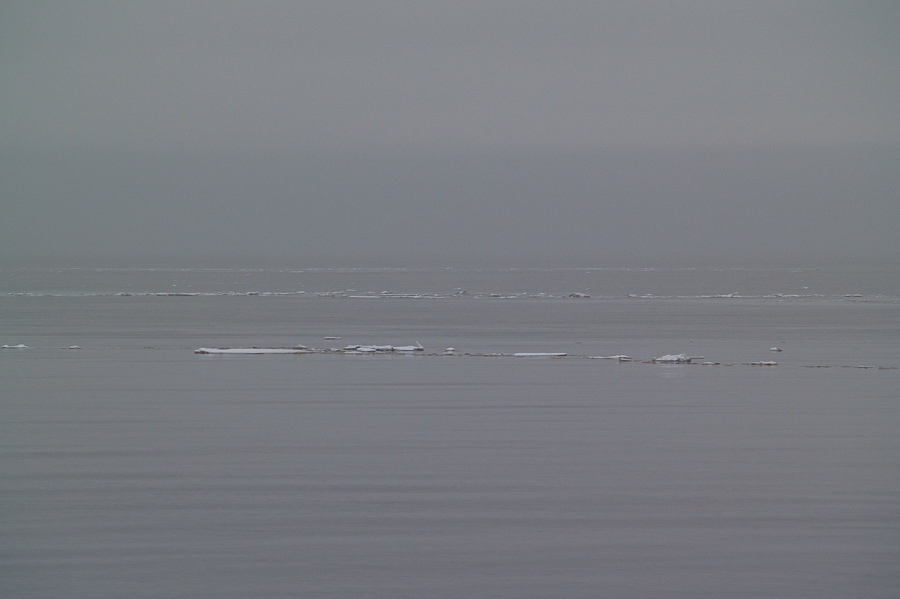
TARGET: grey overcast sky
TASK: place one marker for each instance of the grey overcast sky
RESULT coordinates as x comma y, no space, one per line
303,131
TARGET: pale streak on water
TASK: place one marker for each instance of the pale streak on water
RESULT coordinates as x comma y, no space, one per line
134,468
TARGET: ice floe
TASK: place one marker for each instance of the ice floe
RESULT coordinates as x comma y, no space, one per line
419,350
774,349
252,350
302,349
675,359
19,346
384,348
408,348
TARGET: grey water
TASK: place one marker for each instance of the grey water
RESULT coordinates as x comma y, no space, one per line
132,466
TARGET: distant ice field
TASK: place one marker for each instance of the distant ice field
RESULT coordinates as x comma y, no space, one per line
861,281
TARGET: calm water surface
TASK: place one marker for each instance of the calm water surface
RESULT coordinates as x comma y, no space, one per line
134,467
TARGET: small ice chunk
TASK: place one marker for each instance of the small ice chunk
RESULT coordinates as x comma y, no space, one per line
330,338
383,348
774,349
407,348
369,349
620,358
675,359
539,355
73,347
763,363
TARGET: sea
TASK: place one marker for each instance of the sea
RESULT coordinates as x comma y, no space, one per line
760,458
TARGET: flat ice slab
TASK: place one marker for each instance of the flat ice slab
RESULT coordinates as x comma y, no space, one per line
539,355
302,349
251,350
620,358
383,348
676,359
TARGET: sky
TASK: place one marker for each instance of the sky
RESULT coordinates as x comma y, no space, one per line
386,131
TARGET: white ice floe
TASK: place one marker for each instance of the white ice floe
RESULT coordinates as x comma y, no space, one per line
302,349
383,348
763,363
774,349
407,348
252,350
620,358
676,359
540,355
369,348
19,346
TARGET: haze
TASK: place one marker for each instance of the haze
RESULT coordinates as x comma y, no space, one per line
398,132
